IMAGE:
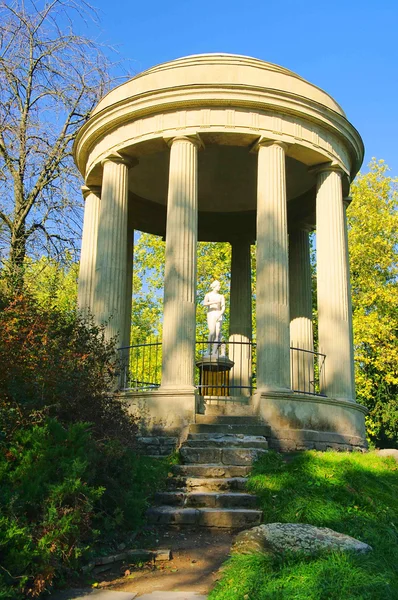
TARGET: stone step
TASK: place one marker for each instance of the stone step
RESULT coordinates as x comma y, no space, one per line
209,470
223,518
227,420
206,499
214,400
208,484
225,440
236,409
224,456
224,428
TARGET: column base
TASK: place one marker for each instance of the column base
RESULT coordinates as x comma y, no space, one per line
274,389
300,421
166,410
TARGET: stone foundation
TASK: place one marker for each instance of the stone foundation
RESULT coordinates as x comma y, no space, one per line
303,422
294,421
291,440
163,411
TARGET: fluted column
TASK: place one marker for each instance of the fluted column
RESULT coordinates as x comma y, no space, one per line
88,254
111,270
129,287
180,266
333,287
272,295
240,320
301,333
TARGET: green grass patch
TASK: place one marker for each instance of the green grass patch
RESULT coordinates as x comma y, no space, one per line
353,493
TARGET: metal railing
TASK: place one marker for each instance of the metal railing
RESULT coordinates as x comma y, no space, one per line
225,369
307,371
141,366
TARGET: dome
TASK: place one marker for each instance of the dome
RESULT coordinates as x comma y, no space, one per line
227,70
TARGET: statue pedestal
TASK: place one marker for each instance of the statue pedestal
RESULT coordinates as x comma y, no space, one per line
214,375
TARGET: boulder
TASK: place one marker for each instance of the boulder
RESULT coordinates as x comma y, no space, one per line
389,452
295,537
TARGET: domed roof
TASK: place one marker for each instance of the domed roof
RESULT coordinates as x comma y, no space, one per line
221,70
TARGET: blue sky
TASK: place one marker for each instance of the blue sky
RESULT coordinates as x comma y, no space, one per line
347,48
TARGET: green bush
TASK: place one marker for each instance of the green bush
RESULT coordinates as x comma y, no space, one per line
62,494
55,364
70,480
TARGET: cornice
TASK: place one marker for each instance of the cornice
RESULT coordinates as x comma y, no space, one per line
241,97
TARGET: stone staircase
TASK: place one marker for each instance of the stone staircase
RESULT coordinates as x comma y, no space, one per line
209,488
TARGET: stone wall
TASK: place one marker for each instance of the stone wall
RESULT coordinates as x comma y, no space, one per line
290,440
157,445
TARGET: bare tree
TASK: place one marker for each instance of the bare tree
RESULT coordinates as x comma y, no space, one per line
50,79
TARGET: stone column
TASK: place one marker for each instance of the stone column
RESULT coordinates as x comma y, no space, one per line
272,294
301,334
88,254
240,319
333,287
180,267
111,269
129,286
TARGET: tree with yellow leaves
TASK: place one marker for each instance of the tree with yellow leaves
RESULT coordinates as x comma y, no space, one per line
373,245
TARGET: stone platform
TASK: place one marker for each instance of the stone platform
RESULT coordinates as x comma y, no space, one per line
289,421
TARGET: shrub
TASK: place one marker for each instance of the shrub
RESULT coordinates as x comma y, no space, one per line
62,494
69,476
47,503
55,364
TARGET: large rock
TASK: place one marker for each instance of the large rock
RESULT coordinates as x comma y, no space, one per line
295,537
389,452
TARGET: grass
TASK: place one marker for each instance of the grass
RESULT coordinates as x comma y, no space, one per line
355,494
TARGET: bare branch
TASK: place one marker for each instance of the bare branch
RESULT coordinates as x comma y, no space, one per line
50,79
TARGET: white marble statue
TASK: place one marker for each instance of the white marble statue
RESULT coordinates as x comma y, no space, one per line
215,303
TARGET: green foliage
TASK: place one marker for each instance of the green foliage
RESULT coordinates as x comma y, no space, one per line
46,503
61,493
69,474
54,364
53,284
373,245
355,494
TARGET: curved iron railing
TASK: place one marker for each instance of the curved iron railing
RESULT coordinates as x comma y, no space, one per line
230,370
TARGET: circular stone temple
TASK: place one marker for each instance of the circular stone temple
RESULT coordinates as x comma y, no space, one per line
218,147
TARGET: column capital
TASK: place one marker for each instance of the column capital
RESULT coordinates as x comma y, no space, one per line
301,226
120,159
92,189
194,139
326,168
264,142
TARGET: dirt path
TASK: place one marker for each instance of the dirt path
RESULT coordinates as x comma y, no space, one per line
197,556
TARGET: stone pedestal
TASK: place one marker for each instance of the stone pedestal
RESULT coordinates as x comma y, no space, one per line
301,334
214,375
88,254
240,320
180,267
272,301
334,308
